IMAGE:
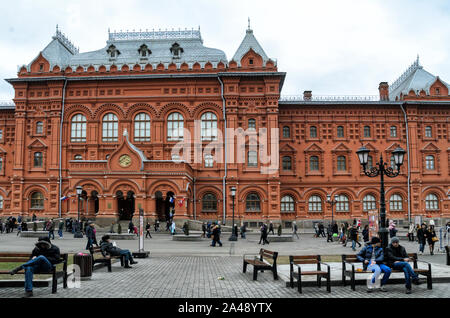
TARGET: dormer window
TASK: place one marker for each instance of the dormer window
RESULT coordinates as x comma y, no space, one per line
113,52
144,51
438,91
176,51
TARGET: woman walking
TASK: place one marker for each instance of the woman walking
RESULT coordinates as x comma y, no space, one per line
431,238
421,237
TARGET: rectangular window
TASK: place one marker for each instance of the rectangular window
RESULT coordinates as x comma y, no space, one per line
252,159
393,131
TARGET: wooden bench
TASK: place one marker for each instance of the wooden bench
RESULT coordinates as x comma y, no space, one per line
350,260
308,259
97,257
25,257
261,263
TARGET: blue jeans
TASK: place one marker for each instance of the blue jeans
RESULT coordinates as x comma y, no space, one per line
421,246
381,268
35,266
409,272
353,244
213,243
51,234
60,233
127,254
89,243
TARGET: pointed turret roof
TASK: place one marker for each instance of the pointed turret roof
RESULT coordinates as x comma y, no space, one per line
414,78
248,43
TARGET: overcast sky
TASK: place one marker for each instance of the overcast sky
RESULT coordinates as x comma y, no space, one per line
331,47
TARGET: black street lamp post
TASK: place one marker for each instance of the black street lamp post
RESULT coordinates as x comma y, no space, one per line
78,233
332,202
381,170
233,236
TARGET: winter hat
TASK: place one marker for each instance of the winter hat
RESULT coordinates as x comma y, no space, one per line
375,240
44,240
395,240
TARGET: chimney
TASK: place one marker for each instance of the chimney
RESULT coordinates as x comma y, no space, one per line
384,91
307,95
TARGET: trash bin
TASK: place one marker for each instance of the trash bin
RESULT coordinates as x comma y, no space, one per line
84,261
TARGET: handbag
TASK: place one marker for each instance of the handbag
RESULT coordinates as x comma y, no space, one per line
434,239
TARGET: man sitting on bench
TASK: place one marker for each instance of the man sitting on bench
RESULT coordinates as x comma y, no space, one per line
398,259
108,248
372,257
43,258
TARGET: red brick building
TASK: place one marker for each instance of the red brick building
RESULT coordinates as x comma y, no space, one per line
109,121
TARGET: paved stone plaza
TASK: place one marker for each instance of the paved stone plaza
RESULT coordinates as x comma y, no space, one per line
191,270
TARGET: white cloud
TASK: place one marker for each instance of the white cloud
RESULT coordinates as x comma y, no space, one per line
328,46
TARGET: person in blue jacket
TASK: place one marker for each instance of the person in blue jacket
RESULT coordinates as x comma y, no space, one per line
372,257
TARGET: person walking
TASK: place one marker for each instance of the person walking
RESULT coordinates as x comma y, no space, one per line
147,228
321,229
51,229
204,229
131,227
173,228
365,233
353,236
431,238
421,237
60,229
372,257
329,233
243,230
263,234
43,258
411,232
216,235
294,229
392,229
90,235
347,234
271,228
398,259
156,225
33,218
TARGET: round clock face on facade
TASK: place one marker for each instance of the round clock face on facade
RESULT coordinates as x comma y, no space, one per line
125,160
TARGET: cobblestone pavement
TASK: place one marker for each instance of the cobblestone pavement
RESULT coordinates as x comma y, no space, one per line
191,270
197,277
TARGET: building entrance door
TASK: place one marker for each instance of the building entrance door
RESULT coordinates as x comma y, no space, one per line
125,205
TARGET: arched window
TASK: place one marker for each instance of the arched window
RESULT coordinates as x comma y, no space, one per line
252,124
209,126
1,202
429,162
78,157
369,203
209,203
142,127
315,204
176,50
313,132
78,128
342,204
341,163
38,160
340,132
286,132
287,204
287,163
431,202
396,203
110,128
393,131
39,127
209,161
252,159
252,203
366,131
314,163
428,132
37,201
175,125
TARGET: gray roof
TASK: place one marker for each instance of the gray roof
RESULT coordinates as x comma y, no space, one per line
60,53
248,43
414,78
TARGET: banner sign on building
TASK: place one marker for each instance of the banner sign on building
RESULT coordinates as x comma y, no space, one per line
373,223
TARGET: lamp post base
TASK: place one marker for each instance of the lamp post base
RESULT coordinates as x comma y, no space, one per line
233,238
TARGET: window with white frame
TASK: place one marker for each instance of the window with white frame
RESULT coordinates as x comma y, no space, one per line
286,132
314,163
313,132
428,132
252,159
341,163
342,204
431,202
315,204
396,202
340,132
369,203
78,128
38,160
369,162
393,131
252,203
252,124
110,128
209,161
142,127
287,204
209,126
39,127
175,126
429,162
366,131
1,202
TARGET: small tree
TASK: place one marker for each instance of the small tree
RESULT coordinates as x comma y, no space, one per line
279,230
119,228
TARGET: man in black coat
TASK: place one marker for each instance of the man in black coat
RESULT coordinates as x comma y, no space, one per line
90,235
108,248
216,234
398,259
43,258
